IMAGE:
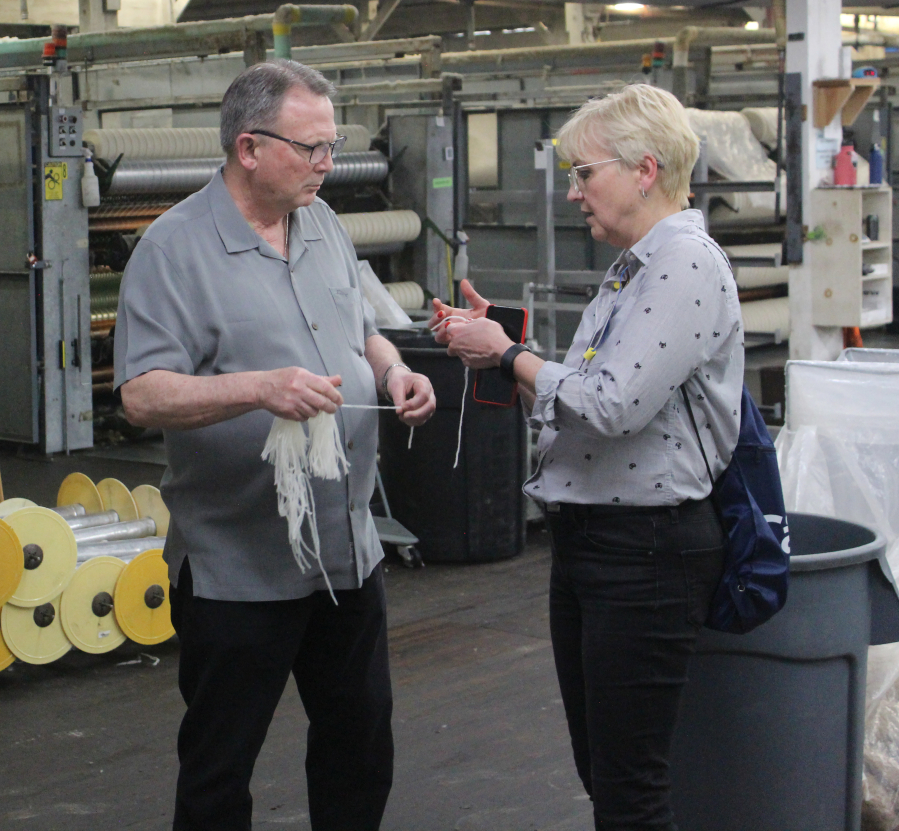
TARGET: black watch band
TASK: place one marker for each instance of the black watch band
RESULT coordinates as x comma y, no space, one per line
508,359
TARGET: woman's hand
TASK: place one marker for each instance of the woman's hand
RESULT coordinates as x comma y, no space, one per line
444,314
478,343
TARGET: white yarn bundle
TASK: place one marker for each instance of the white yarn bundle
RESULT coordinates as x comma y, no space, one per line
297,457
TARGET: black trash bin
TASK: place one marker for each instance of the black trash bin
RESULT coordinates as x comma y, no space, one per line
771,732
475,512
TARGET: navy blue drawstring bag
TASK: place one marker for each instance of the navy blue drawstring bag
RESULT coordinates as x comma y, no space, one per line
749,501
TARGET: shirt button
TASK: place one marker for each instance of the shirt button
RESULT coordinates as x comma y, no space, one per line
349,445
315,326
352,506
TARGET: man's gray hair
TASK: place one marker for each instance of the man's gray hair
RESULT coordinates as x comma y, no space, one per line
254,99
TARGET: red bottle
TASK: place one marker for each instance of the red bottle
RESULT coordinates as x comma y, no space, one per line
844,172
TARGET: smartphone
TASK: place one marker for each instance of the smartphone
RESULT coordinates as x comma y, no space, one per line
489,386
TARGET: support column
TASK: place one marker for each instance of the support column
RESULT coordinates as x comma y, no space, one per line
815,49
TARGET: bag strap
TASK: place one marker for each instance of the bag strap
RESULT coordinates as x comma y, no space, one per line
714,494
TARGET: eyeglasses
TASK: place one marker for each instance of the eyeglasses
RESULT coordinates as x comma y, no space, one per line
575,179
317,152
574,176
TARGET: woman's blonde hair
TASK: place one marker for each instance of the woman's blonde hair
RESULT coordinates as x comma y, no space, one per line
639,119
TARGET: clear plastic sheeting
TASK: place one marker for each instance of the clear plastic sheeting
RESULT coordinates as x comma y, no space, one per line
737,155
839,456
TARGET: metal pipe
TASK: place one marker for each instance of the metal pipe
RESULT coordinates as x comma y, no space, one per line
207,37
92,520
119,531
123,549
68,511
694,35
290,15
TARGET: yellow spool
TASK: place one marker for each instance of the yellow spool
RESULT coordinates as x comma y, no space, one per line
30,642
12,563
7,506
46,538
6,657
149,504
78,489
145,575
91,591
116,497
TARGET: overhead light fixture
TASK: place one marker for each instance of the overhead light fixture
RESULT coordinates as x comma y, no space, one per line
628,7
752,25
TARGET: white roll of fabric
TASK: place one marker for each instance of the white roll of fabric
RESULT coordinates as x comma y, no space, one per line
409,295
357,137
186,142
767,316
750,277
382,227
763,122
155,143
772,250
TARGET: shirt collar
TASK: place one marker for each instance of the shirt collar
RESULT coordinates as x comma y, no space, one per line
235,231
641,252
663,231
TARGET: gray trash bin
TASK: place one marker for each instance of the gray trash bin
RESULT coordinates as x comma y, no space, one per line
771,732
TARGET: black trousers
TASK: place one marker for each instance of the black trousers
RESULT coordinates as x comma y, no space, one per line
235,660
629,591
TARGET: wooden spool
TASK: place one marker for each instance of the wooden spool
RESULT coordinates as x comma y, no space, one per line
34,634
86,608
50,553
142,599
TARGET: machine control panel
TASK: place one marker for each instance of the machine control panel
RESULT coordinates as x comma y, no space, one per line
65,131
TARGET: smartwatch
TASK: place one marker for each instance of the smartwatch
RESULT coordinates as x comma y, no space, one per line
508,359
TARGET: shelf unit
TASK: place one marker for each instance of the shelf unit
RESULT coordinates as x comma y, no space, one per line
852,276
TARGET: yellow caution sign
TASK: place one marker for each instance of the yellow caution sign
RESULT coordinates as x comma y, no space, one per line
54,175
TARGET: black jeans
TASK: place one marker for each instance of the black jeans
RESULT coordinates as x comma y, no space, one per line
630,588
235,660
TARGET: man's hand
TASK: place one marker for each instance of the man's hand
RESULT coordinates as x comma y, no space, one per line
413,395
298,394
443,313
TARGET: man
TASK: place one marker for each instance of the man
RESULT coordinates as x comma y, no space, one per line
240,304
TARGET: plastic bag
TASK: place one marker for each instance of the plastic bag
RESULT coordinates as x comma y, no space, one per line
838,456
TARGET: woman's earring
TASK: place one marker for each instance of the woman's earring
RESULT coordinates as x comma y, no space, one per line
643,192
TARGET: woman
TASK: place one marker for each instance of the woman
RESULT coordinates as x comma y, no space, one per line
637,546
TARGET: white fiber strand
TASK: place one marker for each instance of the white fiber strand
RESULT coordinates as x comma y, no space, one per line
326,456
295,457
461,416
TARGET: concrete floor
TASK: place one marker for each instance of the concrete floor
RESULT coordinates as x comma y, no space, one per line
88,742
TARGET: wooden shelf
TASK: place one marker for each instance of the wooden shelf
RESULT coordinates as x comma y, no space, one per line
847,96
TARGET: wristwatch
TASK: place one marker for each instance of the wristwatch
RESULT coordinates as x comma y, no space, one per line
508,359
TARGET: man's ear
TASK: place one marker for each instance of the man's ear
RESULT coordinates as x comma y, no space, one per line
245,150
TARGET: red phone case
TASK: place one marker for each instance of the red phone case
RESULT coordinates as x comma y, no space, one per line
494,383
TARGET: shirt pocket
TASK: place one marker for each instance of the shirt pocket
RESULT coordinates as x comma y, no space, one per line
348,301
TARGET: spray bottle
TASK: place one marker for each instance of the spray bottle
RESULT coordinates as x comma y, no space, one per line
460,264
90,184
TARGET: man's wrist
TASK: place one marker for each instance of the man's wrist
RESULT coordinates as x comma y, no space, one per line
386,376
507,362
